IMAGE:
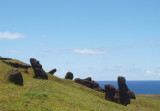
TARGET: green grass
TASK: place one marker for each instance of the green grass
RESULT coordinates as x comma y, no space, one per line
58,94
36,94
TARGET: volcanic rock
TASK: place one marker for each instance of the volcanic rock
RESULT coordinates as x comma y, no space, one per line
94,84
69,75
124,97
116,96
38,70
110,92
99,89
89,83
132,95
52,71
15,76
88,79
84,82
17,65
1,58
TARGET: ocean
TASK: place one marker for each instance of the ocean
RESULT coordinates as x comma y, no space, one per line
139,87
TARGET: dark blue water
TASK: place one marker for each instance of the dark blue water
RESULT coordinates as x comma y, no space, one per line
139,87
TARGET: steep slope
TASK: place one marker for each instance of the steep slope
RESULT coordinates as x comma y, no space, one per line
58,94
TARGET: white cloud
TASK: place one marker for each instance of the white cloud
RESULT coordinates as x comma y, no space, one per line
90,51
149,72
100,51
9,35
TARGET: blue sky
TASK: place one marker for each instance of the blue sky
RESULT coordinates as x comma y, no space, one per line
98,38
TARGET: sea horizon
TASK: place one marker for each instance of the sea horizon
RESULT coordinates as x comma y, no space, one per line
137,86
129,80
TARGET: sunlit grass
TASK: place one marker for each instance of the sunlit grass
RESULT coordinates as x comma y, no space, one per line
58,94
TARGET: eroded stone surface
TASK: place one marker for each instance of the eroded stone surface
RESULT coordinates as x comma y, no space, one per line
69,75
110,91
53,71
89,83
15,76
38,70
124,97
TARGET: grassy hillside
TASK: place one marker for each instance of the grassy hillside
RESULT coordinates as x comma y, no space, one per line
57,94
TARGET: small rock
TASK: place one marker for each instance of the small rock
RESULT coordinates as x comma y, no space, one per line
52,71
69,75
15,76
